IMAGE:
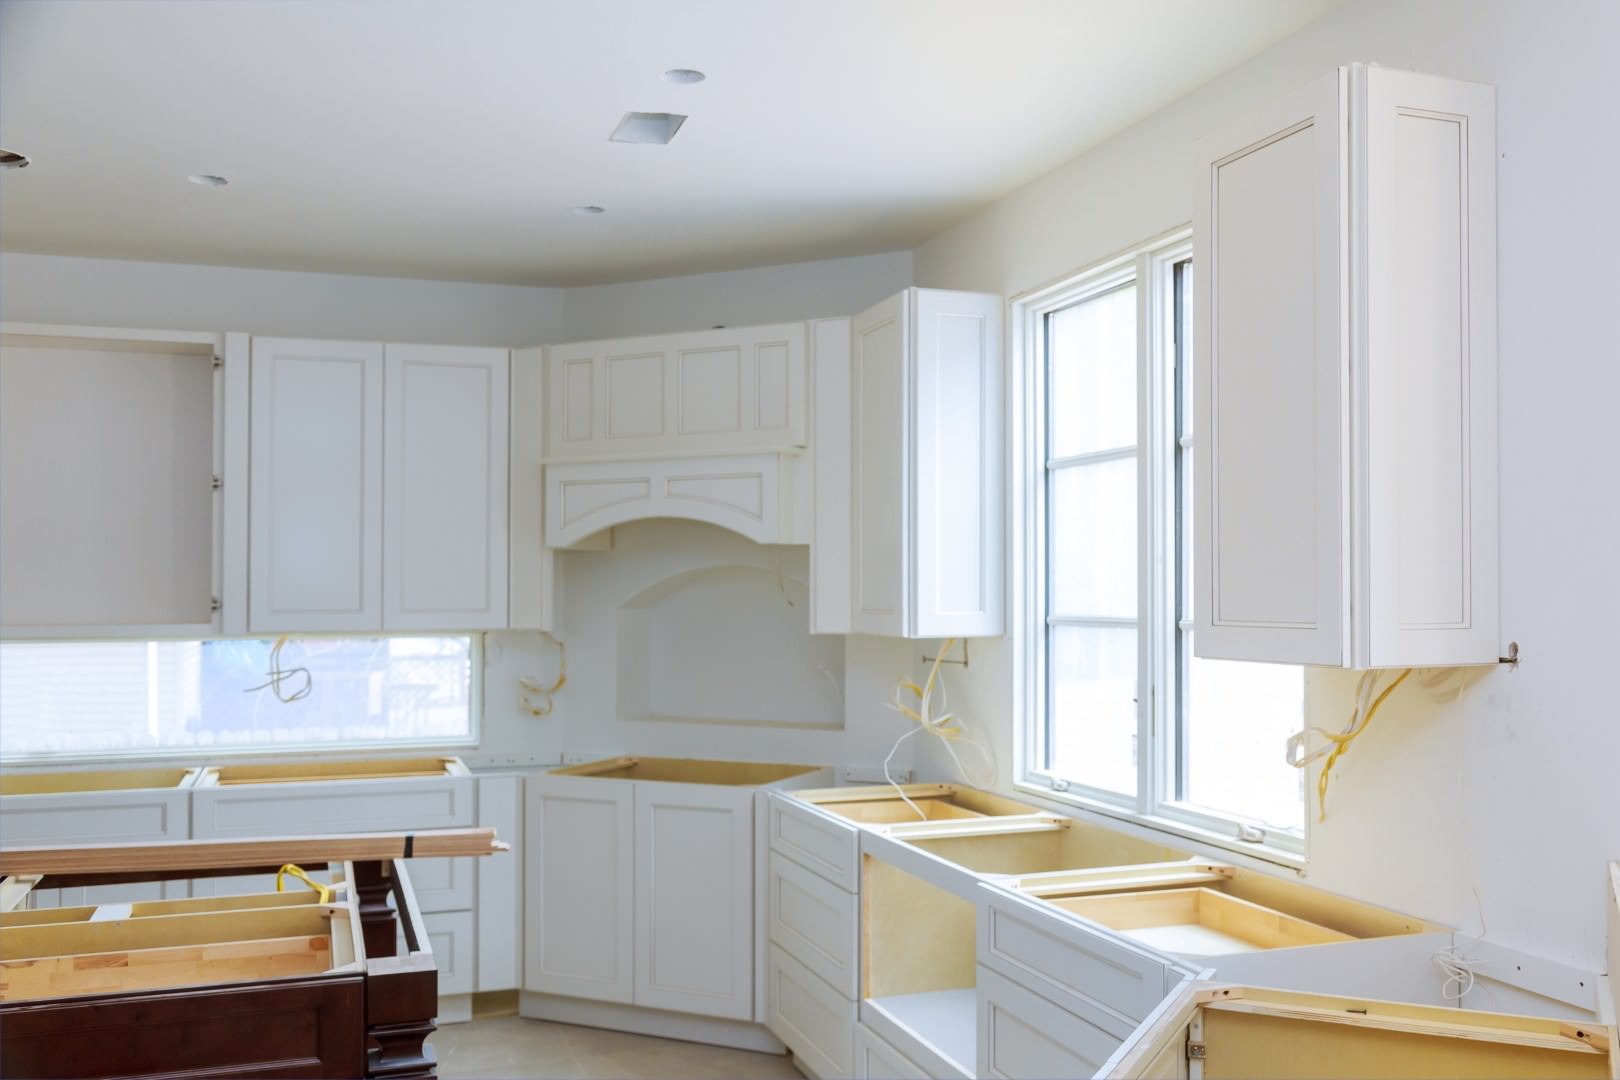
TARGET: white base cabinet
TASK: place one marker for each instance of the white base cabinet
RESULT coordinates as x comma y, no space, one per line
875,1059
1345,377
641,893
815,1021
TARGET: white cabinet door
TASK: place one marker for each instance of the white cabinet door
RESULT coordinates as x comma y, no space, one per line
694,934
879,344
444,487
1345,377
928,498
315,501
1270,351
579,867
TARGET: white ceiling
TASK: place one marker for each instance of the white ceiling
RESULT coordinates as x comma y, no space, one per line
452,138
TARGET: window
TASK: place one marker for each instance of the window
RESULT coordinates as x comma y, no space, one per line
1121,714
101,699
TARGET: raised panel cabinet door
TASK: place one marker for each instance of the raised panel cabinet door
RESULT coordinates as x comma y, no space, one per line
1429,584
956,485
694,936
880,347
830,483
579,887
315,488
1269,363
444,487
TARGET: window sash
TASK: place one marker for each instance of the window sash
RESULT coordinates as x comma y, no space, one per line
1164,455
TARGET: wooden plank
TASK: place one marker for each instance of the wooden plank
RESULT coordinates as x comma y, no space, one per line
160,931
27,782
223,854
1059,883
146,969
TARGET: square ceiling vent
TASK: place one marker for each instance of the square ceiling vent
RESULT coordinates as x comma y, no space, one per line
657,128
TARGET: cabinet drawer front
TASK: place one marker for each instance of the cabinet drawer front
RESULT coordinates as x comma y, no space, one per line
442,884
1087,971
125,817
322,808
450,934
817,841
875,1059
816,922
816,1021
1022,1036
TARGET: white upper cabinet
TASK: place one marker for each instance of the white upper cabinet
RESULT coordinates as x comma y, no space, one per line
444,487
114,470
315,513
1345,377
715,391
378,494
927,500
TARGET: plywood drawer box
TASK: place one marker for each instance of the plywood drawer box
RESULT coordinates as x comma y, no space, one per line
313,798
814,1020
816,922
1199,922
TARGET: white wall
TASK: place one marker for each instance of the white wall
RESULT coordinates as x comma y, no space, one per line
1513,792
589,717
170,296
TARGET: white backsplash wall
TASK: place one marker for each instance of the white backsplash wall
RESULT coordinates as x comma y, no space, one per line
1510,793
589,715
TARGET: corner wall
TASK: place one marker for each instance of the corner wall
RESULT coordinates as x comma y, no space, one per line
1510,793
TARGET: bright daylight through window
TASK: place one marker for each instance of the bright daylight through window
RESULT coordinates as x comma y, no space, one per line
63,699
1128,717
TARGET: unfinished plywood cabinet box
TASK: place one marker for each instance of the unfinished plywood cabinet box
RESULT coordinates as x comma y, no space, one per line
1345,376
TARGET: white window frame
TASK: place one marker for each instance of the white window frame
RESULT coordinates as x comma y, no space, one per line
1152,267
290,750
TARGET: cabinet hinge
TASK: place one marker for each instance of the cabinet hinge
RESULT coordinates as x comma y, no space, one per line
213,603
216,483
218,362
1196,1051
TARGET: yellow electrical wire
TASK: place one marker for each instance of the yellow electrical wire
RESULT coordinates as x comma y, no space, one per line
1342,743
290,870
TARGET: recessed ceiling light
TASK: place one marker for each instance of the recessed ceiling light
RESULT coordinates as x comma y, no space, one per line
10,159
656,128
684,75
207,180
589,211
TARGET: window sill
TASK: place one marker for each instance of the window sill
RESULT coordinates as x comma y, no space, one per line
190,757
1165,829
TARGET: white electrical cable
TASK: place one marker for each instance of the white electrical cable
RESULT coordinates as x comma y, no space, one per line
939,723
1457,965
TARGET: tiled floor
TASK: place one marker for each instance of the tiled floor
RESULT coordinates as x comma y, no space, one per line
511,1047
